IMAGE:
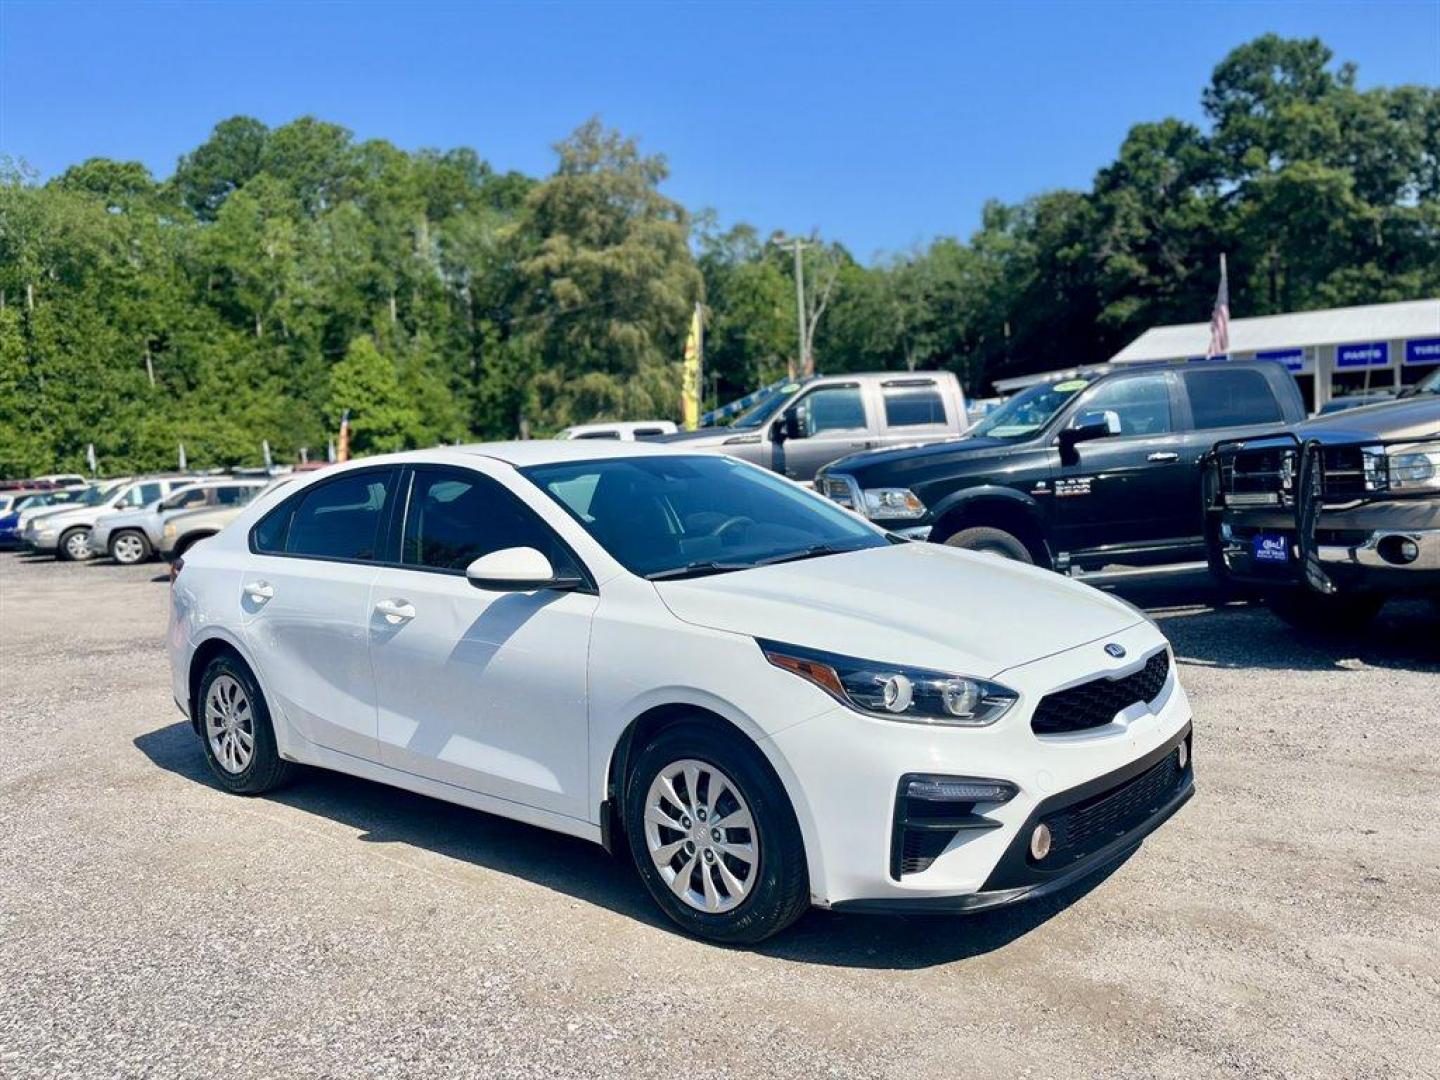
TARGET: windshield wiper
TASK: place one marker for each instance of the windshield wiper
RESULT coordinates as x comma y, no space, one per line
696,569
804,553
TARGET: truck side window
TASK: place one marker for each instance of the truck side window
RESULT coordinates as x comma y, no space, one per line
1140,404
910,406
1221,398
833,408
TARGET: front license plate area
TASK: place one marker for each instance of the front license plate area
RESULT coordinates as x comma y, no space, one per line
1270,549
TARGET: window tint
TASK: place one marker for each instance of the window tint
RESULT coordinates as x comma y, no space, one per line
909,406
454,516
599,435
1140,405
832,408
1222,398
339,519
648,432
189,498
234,496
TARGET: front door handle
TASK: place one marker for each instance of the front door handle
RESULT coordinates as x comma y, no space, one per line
259,591
395,611
1163,455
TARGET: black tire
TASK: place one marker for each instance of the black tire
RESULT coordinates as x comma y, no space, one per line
780,892
67,538
146,550
265,770
1320,615
987,538
185,543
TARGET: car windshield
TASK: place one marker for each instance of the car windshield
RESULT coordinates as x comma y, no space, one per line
673,517
99,493
758,415
1028,411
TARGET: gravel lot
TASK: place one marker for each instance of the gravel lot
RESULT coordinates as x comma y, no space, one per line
1286,923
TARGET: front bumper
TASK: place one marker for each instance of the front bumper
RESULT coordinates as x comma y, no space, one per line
846,770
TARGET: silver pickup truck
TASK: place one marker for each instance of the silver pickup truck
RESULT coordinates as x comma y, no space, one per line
808,423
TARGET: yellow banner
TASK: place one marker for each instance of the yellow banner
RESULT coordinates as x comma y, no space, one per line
690,376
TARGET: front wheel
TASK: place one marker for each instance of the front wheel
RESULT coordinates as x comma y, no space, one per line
714,837
995,541
128,548
75,545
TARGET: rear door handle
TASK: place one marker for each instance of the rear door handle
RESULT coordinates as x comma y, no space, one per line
1163,455
259,591
395,611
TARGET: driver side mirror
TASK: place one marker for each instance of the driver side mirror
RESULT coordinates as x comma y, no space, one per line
1087,427
517,569
787,426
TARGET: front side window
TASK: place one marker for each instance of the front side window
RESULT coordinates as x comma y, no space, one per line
1138,406
912,406
339,519
668,517
1229,398
233,496
454,516
832,408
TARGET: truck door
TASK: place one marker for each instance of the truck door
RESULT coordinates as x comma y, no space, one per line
834,421
1126,488
913,409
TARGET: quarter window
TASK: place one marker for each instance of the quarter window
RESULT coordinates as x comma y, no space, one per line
1140,405
832,408
1229,398
339,519
912,406
454,516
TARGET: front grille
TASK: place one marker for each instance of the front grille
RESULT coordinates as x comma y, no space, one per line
838,490
1095,703
1259,477
1086,827
1351,472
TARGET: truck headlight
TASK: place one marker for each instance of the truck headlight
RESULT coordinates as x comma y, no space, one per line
895,691
892,503
1414,467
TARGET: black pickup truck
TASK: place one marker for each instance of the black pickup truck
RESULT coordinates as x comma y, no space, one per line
1327,520
1079,473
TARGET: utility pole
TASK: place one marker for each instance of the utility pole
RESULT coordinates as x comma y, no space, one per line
797,246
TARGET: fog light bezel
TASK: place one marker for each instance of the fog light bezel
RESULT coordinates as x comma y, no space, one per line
1041,842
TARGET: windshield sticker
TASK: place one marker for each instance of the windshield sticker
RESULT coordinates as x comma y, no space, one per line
1071,384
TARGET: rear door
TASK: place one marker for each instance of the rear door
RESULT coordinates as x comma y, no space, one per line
305,596
1126,489
1220,402
914,409
484,690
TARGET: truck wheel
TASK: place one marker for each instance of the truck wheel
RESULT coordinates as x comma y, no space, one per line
998,541
1315,613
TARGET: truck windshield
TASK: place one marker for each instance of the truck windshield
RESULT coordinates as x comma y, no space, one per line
676,517
762,412
1028,411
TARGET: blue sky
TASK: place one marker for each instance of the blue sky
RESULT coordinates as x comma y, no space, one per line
881,125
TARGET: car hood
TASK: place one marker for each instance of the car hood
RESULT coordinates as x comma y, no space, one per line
706,437
1408,418
919,604
952,449
55,515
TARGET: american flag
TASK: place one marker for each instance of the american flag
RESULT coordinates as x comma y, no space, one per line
1220,317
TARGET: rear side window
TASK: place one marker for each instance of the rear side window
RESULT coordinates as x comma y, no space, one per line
911,406
339,519
454,516
1229,398
599,435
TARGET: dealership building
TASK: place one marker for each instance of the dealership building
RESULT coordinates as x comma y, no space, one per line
1331,353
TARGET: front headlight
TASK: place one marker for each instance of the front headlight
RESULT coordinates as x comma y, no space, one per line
1414,467
891,503
895,691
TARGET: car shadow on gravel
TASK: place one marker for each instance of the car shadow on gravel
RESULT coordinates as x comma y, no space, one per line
1208,628
387,815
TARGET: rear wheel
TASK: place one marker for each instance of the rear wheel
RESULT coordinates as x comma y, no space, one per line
1325,615
235,728
129,547
714,837
74,545
996,541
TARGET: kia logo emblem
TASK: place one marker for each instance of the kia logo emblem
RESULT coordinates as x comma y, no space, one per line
1117,651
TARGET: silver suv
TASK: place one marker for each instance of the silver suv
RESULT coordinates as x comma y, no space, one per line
132,535
65,532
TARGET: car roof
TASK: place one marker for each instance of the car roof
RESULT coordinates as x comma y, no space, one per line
532,452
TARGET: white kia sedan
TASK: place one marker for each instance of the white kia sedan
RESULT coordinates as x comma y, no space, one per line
768,701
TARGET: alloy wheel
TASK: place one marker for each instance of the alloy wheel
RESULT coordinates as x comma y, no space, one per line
701,836
128,548
77,546
230,724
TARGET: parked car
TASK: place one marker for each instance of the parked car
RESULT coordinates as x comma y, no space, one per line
767,701
625,431
133,535
1355,401
64,480
1077,473
16,508
65,531
1330,519
811,422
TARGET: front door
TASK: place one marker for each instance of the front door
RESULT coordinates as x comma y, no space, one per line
835,422
484,690
305,595
1128,488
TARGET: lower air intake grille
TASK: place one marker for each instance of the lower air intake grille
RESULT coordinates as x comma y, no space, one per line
1095,703
1086,827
